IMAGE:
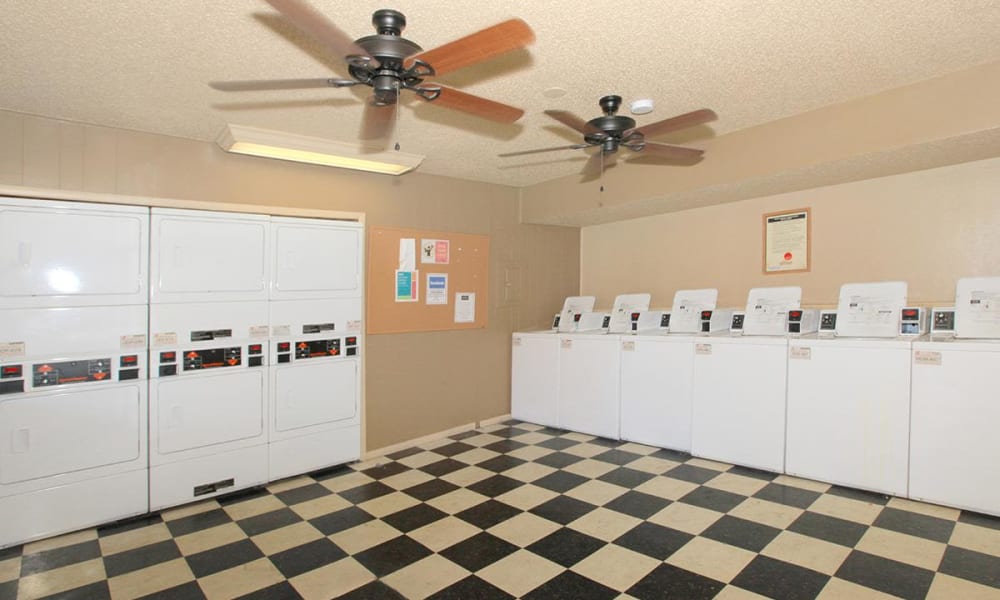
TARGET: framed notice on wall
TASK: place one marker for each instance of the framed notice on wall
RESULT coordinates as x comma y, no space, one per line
786,241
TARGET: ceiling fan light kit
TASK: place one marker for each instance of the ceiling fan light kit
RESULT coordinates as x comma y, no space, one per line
266,143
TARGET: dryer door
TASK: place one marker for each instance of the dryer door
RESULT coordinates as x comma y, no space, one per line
315,258
315,394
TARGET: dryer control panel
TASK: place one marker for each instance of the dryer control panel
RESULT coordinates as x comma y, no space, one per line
21,377
172,362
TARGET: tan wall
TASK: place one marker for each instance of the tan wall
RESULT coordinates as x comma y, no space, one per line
927,228
416,384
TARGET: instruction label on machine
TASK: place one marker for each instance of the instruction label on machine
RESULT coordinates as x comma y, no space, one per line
129,342
259,331
927,357
12,350
800,352
565,344
628,346
165,339
703,349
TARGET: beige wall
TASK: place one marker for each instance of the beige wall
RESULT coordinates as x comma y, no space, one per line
927,228
416,384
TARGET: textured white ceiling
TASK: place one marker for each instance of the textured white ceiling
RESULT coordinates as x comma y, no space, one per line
145,64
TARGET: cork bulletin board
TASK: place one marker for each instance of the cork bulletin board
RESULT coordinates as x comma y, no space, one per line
426,282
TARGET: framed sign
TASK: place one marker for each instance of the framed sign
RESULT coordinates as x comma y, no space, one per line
786,241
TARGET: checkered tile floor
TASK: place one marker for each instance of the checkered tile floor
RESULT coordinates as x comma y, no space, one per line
518,510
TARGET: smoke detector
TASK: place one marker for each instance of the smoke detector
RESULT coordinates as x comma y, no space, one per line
641,107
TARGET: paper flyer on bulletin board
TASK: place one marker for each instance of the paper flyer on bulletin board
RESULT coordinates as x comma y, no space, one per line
786,241
437,289
465,307
435,252
407,284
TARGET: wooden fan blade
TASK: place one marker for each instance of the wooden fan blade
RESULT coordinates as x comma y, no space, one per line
677,123
573,122
477,47
668,151
377,121
523,152
270,84
317,26
476,105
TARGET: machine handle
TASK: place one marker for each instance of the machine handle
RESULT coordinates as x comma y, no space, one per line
24,254
21,441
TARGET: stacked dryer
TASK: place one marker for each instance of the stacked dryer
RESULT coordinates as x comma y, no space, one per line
315,327
208,392
73,354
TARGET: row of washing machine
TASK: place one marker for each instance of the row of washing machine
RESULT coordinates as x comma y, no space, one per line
151,357
861,396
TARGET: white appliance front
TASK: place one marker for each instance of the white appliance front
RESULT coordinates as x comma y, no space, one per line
73,420
953,437
686,314
72,254
589,376
208,399
656,389
203,256
534,377
848,417
316,258
315,379
739,401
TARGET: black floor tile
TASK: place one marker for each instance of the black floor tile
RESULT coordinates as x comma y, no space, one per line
366,492
861,495
654,540
341,520
571,586
505,445
391,556
562,509
778,579
242,496
94,591
268,521
566,546
404,453
11,552
430,489
465,434
674,455
303,494
499,464
560,481
224,557
787,495
670,582
979,519
754,473
140,558
617,457
278,591
558,443
692,474
333,472
713,499
889,576
487,514
931,528
626,477
198,522
606,442
414,517
478,551
971,565
186,591
741,533
8,590
471,588
59,557
638,504
442,467
375,590
558,460
509,432
305,558
125,525
495,486
387,470
830,529
453,448
552,431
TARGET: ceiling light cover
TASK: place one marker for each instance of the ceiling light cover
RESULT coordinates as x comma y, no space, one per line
318,151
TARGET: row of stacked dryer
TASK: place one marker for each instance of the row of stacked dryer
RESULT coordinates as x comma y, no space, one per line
150,357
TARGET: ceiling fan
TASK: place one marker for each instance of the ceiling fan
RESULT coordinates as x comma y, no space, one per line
389,63
612,131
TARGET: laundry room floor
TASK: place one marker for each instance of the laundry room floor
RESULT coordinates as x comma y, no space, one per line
519,510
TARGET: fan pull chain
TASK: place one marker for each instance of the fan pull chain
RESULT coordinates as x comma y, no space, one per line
602,169
396,128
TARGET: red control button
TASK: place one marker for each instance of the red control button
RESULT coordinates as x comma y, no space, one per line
255,348
351,341
284,346
10,371
44,369
168,356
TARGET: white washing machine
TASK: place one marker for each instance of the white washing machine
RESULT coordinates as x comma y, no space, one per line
316,345
954,408
589,374
73,353
208,396
739,385
848,417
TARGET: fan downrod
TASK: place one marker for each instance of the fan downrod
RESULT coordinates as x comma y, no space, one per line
611,125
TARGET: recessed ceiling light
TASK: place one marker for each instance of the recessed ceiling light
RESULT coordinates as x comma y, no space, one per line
641,107
554,92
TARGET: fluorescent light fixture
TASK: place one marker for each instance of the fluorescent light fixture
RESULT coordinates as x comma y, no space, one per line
318,151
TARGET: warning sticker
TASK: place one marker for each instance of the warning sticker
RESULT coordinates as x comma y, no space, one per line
703,349
628,346
281,330
165,339
259,331
130,342
11,350
927,357
566,344
354,325
800,352
516,341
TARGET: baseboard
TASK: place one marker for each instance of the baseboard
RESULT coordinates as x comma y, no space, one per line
417,441
494,420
